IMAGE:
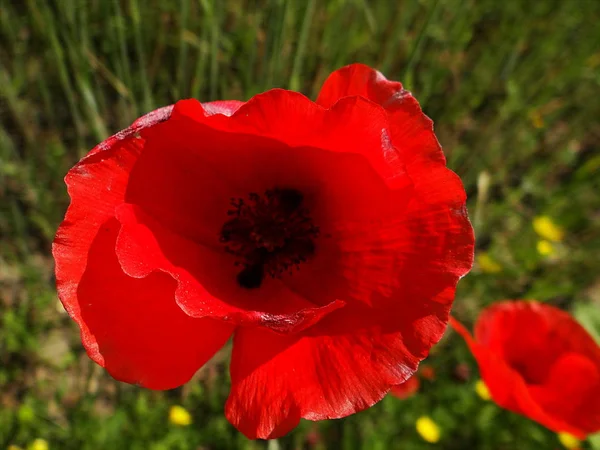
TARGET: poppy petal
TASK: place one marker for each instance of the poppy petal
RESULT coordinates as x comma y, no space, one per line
359,80
353,126
225,107
276,381
572,387
146,121
99,179
119,311
411,131
405,250
205,278
565,333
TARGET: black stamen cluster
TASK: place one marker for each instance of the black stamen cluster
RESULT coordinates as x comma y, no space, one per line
270,234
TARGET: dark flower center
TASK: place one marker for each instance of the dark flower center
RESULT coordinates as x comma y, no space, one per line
270,234
533,374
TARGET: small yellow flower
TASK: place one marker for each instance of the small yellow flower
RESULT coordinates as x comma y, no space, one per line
178,415
569,441
547,229
536,119
545,248
428,429
487,264
38,444
482,390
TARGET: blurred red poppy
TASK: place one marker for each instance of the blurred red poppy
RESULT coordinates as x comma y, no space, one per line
406,389
327,237
412,385
536,360
427,372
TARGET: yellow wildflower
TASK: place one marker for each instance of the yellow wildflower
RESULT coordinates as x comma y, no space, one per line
569,441
547,229
545,248
178,415
428,429
487,264
38,444
482,390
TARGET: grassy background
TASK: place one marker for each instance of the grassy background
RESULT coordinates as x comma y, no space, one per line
512,86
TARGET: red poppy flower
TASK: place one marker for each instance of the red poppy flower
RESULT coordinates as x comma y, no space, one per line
537,361
412,385
406,389
327,237
427,372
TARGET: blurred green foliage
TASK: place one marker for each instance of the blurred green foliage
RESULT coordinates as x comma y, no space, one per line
512,86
